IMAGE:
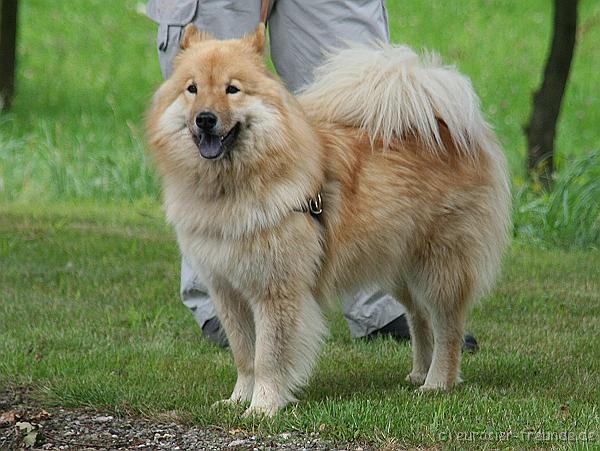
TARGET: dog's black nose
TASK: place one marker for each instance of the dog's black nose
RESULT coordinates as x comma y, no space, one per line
206,120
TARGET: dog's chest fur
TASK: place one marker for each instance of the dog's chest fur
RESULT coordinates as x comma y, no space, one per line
256,246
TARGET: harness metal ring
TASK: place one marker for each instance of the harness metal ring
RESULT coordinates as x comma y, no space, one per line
316,205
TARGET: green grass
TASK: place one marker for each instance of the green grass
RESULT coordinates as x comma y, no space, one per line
86,72
90,316
88,68
569,215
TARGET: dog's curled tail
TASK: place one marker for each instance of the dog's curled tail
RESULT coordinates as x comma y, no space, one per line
392,93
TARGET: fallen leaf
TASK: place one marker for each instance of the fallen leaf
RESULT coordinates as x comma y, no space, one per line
9,417
25,426
30,431
30,439
42,415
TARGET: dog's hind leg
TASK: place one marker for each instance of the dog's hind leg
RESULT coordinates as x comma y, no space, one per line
237,319
421,337
448,332
444,292
289,332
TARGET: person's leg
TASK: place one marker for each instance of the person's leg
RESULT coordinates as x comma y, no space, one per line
224,19
195,297
371,312
301,34
303,31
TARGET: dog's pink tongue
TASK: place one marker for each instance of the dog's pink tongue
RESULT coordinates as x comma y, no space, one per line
210,146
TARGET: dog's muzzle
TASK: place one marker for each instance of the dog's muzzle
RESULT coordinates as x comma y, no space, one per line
210,142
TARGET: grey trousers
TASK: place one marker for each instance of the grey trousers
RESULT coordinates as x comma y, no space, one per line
301,32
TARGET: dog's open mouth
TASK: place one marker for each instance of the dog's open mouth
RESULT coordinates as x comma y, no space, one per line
213,145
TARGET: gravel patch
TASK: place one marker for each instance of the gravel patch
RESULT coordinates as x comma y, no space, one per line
23,424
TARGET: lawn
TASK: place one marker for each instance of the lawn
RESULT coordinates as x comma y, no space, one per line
89,272
90,316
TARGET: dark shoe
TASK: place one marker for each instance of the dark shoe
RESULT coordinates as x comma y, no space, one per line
399,331
213,332
470,344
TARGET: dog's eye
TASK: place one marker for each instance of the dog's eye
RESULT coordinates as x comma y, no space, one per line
231,89
192,88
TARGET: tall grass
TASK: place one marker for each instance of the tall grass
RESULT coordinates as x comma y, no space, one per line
568,216
41,169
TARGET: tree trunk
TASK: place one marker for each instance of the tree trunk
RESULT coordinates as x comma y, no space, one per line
547,100
8,39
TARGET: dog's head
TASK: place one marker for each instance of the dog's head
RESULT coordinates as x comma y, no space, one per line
220,101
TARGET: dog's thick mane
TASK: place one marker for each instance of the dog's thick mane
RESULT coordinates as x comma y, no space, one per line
397,94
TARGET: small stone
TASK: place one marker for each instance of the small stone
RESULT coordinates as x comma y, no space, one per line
102,419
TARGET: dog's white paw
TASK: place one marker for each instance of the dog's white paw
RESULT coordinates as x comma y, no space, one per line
433,388
438,386
416,378
242,392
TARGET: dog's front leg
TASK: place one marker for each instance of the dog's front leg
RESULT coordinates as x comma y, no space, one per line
237,319
289,331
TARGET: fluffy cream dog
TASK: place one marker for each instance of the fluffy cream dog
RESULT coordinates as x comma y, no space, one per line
414,192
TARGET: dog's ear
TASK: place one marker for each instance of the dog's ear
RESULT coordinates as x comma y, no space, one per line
257,39
191,35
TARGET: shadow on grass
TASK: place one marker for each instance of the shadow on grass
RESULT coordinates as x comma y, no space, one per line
507,373
361,369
